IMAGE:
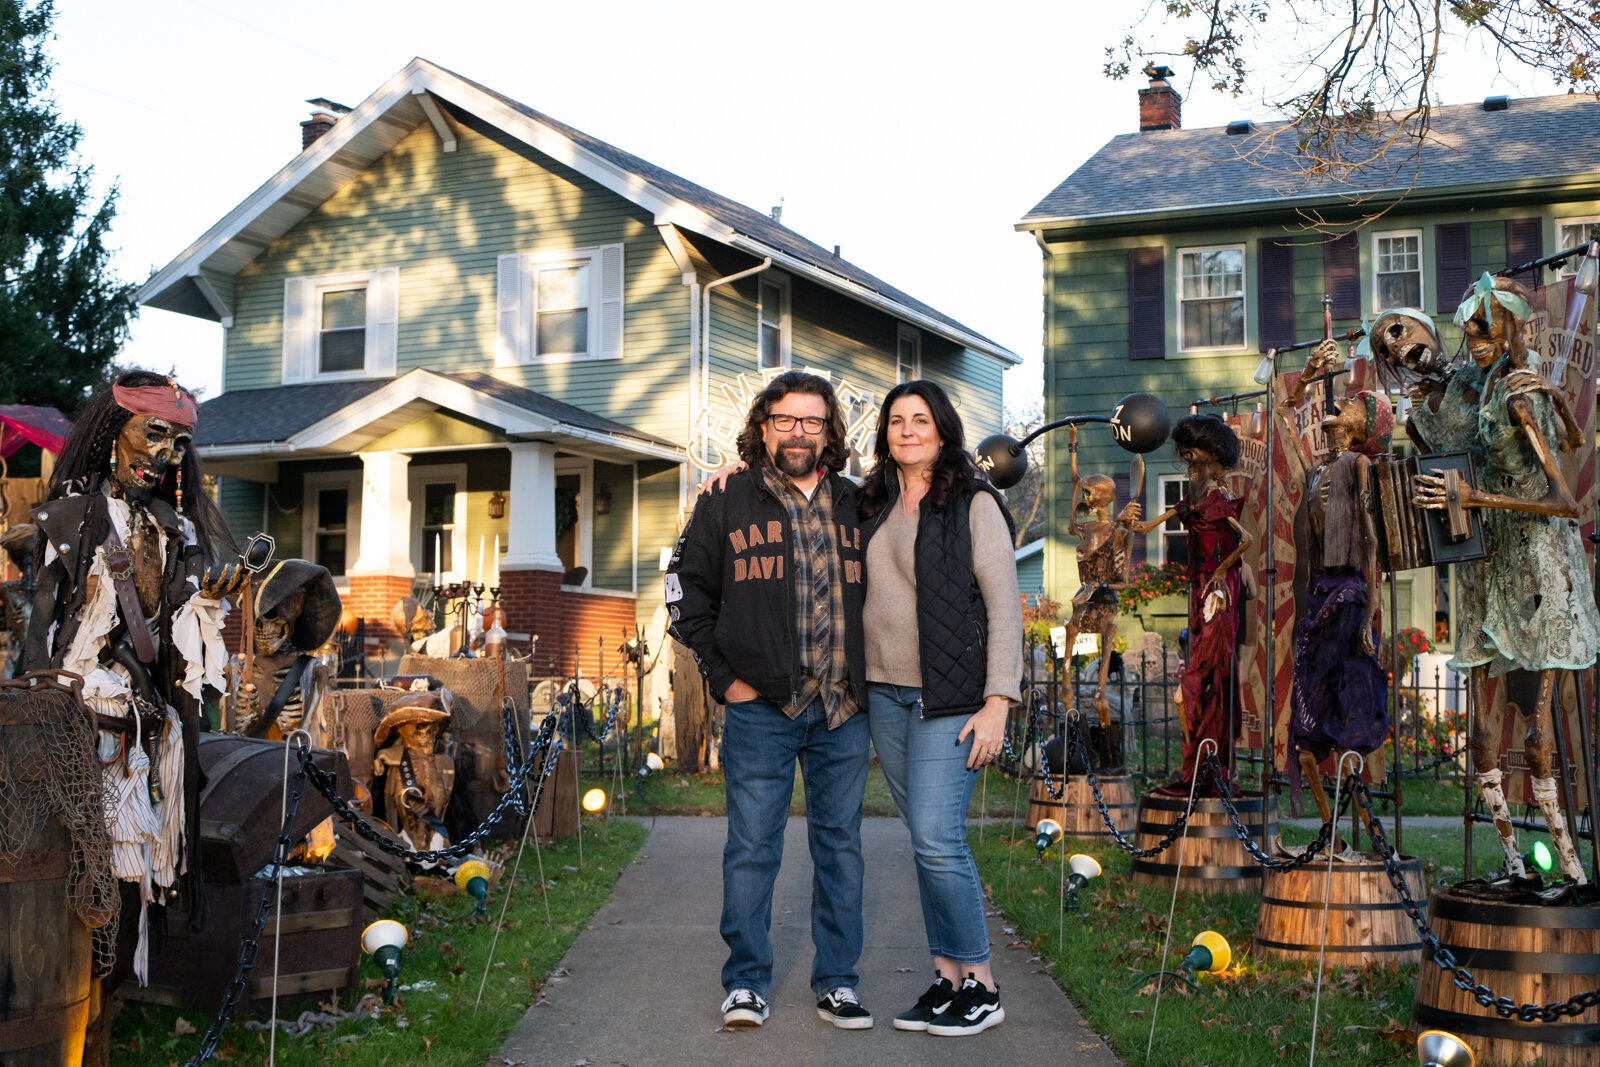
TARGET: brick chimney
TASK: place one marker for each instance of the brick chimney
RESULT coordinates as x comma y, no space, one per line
1160,106
324,114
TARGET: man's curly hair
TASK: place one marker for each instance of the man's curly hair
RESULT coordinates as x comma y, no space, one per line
752,446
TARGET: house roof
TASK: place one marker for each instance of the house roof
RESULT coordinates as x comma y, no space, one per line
1536,142
342,416
407,100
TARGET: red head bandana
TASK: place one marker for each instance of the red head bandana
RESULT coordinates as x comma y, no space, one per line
171,402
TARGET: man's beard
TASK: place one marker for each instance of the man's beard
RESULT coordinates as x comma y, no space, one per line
796,457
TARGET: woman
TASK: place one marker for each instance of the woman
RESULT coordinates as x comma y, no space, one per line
943,623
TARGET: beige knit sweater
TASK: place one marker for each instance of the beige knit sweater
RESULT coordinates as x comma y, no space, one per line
890,617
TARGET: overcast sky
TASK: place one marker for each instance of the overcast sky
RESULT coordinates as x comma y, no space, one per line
914,136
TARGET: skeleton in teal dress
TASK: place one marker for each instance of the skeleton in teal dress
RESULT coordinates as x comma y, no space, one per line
1529,606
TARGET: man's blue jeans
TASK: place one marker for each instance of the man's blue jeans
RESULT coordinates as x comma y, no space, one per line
928,778
759,747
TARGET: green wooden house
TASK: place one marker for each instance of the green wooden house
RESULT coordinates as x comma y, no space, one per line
454,325
1174,258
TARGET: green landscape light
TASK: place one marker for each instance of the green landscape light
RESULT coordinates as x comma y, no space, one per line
1540,858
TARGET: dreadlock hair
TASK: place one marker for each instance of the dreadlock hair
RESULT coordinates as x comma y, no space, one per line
752,446
954,472
85,462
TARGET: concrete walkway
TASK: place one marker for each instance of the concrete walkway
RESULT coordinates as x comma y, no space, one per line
641,986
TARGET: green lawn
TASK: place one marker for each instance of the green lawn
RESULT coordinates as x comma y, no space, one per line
434,1021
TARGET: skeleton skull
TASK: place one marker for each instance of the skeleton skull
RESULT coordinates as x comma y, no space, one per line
1407,347
145,449
1096,492
1493,330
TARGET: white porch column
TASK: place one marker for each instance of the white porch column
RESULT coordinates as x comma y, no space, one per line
385,516
531,517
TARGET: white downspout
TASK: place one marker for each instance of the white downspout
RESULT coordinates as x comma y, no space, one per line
705,332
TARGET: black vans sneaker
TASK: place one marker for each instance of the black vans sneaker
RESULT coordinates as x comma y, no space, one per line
930,1004
842,1009
974,1010
744,1008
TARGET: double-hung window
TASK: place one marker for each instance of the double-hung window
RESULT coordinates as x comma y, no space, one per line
1570,233
1396,269
774,326
331,529
1173,538
559,306
339,326
908,355
1211,311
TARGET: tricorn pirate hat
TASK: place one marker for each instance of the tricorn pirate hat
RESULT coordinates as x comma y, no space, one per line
417,707
320,613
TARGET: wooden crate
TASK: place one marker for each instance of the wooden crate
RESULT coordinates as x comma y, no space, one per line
320,949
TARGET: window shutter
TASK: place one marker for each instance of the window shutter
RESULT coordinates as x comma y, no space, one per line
383,321
1452,248
296,329
1275,286
1524,242
511,300
1341,275
1136,543
611,287
1147,320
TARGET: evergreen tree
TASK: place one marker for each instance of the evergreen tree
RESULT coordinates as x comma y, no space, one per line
63,312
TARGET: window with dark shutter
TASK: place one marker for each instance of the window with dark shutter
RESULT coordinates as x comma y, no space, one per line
1147,320
1452,252
1275,285
1341,276
1524,244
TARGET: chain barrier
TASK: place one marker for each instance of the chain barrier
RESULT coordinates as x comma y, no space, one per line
1037,709
571,701
534,769
251,946
1247,839
1505,1007
1081,746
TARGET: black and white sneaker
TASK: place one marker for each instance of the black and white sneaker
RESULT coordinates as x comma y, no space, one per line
744,1008
842,1009
929,1005
974,1010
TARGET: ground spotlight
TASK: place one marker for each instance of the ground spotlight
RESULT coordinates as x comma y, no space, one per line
472,877
594,801
1435,1048
652,765
1047,833
1539,858
385,941
1209,954
1084,868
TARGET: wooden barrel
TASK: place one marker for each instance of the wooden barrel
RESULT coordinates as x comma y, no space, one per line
1213,859
1530,953
1366,923
45,958
1075,809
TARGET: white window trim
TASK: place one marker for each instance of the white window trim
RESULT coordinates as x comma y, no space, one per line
416,478
1571,267
315,481
302,324
1177,294
785,318
517,300
914,335
1422,267
1162,481
584,468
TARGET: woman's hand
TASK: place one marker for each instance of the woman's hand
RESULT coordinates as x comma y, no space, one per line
988,731
718,479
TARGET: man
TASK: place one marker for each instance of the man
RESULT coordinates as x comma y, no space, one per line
765,587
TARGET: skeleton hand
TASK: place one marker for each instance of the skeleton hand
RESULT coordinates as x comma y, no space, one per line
1325,356
1428,491
289,720
1130,515
223,581
1364,645
246,705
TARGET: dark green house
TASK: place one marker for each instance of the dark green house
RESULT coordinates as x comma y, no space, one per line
1173,258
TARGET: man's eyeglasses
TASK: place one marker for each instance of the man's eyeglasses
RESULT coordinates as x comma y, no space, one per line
813,424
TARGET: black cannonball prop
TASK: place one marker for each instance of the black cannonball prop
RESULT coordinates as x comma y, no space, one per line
1139,423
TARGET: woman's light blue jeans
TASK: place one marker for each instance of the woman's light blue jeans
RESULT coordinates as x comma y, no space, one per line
931,786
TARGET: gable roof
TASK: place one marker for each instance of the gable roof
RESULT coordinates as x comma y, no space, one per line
1535,143
408,99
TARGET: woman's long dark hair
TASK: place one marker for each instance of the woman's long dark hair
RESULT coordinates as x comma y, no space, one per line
84,463
954,472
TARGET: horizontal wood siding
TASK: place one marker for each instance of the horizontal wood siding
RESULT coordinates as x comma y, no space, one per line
613,532
242,503
658,529
443,219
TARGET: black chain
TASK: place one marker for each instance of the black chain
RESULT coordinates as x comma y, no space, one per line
251,946
1505,1007
535,769
1242,832
1034,734
572,701
1082,747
